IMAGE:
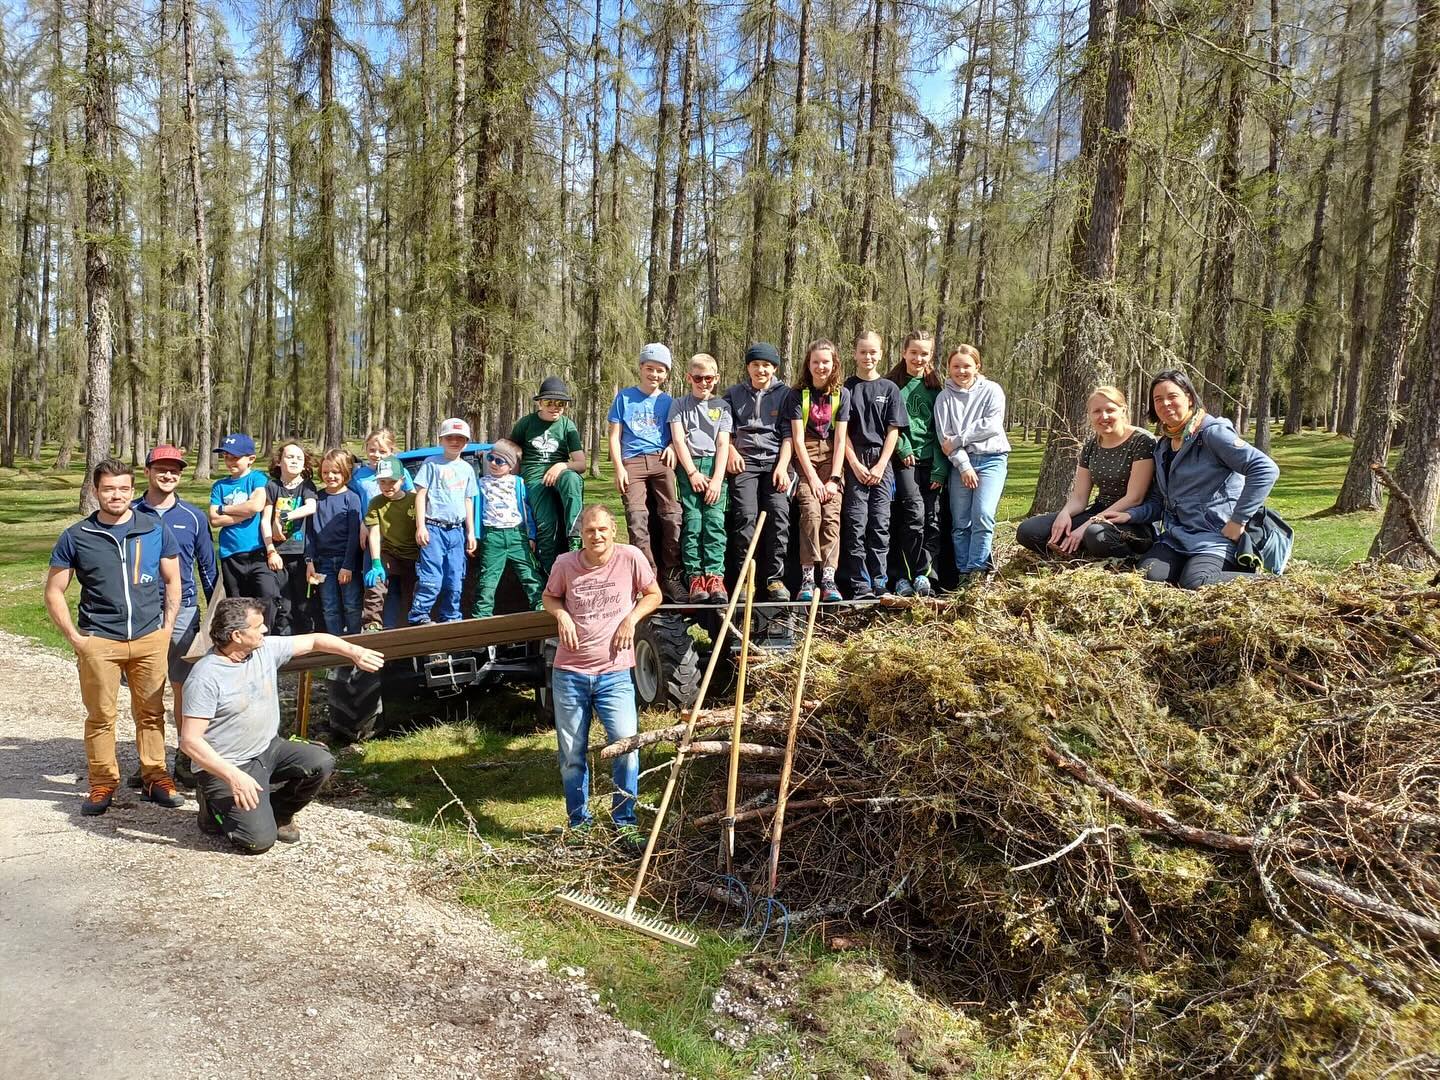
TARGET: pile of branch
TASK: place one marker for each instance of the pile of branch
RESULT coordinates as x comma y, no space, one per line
1081,775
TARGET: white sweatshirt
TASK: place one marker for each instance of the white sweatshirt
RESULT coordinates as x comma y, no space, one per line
973,418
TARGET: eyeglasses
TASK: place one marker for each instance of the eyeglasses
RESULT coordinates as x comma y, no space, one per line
552,403
703,378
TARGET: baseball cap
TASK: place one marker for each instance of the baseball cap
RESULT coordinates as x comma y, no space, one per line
454,426
238,444
389,468
164,453
656,353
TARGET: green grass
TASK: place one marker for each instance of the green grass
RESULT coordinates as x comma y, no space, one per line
847,1017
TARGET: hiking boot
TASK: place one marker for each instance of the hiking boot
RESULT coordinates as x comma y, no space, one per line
134,780
672,587
904,589
699,589
777,593
629,839
207,821
922,585
163,793
718,595
287,832
184,770
98,801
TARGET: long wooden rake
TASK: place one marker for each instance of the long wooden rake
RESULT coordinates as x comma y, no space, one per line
625,915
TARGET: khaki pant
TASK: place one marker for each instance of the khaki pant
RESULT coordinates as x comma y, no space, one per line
143,661
819,522
649,476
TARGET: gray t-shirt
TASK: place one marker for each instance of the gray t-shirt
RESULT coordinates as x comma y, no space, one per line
702,422
239,700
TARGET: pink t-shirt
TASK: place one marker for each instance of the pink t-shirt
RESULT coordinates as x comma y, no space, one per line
598,598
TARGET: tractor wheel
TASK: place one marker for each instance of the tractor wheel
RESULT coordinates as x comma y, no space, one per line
667,664
356,711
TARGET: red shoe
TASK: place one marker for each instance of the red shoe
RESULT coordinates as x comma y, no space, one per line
718,595
699,589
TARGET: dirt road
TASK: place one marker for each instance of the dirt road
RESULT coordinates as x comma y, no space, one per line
133,946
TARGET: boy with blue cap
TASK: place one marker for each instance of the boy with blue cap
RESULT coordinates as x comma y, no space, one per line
445,493
236,503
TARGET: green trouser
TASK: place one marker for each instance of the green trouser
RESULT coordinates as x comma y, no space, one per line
500,548
702,528
557,515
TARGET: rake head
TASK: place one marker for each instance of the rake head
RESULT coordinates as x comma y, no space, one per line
656,928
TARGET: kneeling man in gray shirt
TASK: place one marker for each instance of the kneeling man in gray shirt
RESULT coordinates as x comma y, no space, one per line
250,782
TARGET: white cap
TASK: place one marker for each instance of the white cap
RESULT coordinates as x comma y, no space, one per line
454,426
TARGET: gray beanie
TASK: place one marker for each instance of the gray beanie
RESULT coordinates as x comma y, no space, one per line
656,353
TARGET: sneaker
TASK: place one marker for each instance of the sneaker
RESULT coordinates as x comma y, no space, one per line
163,793
903,588
807,585
880,587
184,770
205,819
98,801
830,592
922,585
699,589
862,593
777,593
630,839
287,833
372,628
718,595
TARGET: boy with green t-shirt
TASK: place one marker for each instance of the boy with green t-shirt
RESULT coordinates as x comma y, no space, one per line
390,538
553,469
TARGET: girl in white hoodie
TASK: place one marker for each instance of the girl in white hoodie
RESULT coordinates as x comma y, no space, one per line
970,427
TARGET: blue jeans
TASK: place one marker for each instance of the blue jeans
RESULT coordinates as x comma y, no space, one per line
610,698
340,603
440,574
972,513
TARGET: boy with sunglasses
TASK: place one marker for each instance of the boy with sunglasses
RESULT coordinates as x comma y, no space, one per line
700,426
506,529
553,468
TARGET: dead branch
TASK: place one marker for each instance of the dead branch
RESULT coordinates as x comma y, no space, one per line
1365,904
717,719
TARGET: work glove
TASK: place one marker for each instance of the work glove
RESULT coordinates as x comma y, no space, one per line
375,575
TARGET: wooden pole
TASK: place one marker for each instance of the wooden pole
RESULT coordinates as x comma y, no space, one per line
727,825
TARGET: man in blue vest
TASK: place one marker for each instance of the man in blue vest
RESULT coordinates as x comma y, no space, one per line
129,574
190,528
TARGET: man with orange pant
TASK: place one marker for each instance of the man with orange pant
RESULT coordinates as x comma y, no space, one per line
127,564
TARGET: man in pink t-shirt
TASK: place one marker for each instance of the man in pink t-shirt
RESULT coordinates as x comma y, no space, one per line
598,596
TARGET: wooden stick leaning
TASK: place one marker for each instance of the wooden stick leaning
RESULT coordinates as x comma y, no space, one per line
727,824
656,928
777,828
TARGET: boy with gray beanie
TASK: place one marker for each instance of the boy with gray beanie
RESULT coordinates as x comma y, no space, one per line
644,466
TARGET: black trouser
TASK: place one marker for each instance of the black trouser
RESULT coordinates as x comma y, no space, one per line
917,526
1102,540
289,774
751,491
248,574
865,527
1175,567
293,609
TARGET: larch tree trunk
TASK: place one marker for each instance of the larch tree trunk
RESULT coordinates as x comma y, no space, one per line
1364,237
14,399
655,267
797,178
1087,352
1274,230
949,246
1376,422
461,16
682,174
865,250
1301,361
759,177
202,260
329,254
99,220
42,323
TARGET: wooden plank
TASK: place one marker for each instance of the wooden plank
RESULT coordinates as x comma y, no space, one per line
408,641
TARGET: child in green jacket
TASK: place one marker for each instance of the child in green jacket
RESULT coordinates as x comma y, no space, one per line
920,473
553,468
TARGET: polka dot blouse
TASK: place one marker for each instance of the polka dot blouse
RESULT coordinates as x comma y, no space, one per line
1110,469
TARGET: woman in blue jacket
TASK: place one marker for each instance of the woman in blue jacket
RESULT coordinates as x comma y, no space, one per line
1209,483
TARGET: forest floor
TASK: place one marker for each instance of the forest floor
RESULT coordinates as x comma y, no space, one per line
830,1010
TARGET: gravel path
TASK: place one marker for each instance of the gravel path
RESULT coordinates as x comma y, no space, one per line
131,945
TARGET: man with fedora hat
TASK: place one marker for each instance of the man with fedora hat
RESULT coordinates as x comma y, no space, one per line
553,468
186,524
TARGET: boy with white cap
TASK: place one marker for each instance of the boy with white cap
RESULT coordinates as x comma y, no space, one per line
445,493
506,530
644,465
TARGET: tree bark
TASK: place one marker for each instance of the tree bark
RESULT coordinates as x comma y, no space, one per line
42,322
457,193
682,172
1300,360
14,405
1412,197
864,253
329,255
759,174
1364,238
202,262
1274,229
656,263
99,220
797,176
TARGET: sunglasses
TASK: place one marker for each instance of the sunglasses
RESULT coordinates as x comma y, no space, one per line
703,378
496,459
552,403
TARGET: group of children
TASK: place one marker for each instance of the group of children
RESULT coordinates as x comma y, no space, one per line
285,538
849,451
